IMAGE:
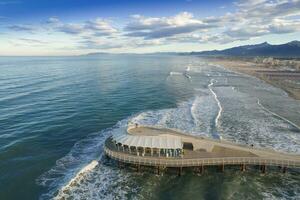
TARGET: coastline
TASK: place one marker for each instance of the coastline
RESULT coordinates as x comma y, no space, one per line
281,77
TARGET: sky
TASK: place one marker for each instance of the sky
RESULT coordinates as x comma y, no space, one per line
75,27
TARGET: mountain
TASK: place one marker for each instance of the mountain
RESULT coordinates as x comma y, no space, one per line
95,54
290,49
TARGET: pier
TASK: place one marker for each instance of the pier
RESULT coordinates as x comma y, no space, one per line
166,148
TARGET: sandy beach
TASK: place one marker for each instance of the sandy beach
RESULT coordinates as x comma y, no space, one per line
283,74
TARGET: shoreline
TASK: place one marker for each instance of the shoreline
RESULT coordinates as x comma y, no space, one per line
280,77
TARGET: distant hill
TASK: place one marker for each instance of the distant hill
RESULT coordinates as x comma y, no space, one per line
290,49
95,54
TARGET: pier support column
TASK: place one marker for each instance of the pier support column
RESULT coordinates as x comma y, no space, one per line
243,167
284,169
201,169
138,168
263,169
222,167
157,170
179,171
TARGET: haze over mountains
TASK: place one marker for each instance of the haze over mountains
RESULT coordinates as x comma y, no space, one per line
290,49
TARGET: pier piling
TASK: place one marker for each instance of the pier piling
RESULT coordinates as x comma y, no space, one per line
138,168
222,167
284,169
179,171
158,170
243,167
201,169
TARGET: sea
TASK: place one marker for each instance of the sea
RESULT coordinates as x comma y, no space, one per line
56,112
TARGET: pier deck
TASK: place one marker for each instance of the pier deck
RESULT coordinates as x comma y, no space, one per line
217,152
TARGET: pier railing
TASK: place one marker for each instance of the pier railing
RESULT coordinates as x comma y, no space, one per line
193,162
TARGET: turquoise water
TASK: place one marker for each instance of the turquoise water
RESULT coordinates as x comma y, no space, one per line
55,113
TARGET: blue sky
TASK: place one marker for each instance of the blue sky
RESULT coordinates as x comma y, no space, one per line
73,27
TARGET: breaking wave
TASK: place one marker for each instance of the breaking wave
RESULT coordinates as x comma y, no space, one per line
276,115
84,172
218,102
175,73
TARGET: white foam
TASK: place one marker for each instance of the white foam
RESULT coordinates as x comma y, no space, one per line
275,114
66,178
218,102
77,179
175,73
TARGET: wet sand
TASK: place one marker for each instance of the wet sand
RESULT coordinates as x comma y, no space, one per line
280,76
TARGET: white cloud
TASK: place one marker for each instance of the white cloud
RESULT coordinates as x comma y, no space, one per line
251,19
152,28
21,28
97,27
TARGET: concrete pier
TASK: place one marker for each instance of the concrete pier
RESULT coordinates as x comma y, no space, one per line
197,152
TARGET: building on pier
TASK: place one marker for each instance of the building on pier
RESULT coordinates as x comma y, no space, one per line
143,145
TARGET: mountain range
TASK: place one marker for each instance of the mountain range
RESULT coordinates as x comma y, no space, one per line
290,49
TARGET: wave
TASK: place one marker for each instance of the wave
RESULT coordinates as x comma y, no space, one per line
180,74
218,103
85,162
194,111
175,73
276,115
77,179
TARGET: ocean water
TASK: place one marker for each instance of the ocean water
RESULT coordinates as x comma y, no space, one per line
56,112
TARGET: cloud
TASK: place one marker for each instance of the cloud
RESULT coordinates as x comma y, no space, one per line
269,9
281,26
71,28
53,20
153,28
32,41
21,28
99,27
28,42
253,18
250,19
245,33
4,3
98,45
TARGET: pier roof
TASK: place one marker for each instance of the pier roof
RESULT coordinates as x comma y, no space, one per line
160,142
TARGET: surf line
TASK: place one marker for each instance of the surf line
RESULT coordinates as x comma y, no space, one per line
218,102
78,177
276,115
